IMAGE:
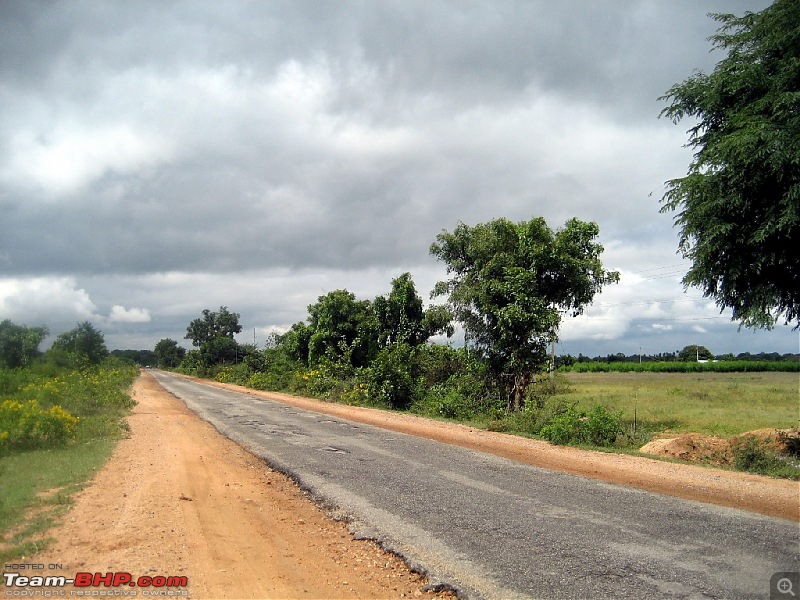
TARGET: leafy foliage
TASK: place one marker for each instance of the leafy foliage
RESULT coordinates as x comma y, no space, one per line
137,357
402,319
26,426
85,342
393,377
168,353
739,205
45,405
694,352
341,325
511,282
755,456
213,335
19,344
213,325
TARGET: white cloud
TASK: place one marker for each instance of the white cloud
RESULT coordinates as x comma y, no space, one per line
45,299
66,160
120,314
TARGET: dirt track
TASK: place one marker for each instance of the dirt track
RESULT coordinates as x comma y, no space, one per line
179,499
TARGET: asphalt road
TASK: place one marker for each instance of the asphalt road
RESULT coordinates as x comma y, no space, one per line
492,528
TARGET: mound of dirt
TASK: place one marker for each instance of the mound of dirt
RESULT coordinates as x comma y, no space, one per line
695,447
778,440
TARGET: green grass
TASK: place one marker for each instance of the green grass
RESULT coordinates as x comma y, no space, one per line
25,509
721,404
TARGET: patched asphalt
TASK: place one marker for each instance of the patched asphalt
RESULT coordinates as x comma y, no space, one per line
492,528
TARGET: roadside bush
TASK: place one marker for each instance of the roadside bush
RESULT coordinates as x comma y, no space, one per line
357,395
392,377
464,397
236,374
753,455
439,364
448,401
564,428
27,426
598,427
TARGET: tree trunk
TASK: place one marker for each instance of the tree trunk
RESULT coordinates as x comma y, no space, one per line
520,385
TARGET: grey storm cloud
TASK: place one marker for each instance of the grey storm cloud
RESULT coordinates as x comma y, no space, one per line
153,152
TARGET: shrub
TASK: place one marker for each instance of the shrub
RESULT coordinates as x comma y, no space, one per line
792,444
564,428
236,374
458,398
391,378
753,455
601,427
598,427
26,426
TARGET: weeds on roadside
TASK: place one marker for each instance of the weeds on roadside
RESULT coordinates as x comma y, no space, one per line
754,455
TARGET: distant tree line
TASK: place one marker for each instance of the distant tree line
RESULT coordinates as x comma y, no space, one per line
83,345
688,354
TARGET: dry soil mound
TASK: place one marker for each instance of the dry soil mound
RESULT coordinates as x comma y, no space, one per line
695,447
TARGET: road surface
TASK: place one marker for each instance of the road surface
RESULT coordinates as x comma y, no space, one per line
493,528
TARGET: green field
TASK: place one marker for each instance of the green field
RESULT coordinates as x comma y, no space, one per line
721,404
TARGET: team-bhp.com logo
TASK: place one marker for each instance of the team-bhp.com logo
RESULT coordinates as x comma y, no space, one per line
155,585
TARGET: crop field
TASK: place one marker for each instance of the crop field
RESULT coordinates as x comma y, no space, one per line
721,404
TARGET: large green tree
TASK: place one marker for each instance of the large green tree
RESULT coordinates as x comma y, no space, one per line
168,353
341,327
694,353
738,208
213,335
19,344
510,284
84,341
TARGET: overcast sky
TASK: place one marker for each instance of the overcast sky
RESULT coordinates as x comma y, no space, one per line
158,158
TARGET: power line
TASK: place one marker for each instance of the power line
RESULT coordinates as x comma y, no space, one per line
654,319
680,265
647,302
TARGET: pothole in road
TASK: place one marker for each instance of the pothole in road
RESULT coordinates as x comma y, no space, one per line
333,450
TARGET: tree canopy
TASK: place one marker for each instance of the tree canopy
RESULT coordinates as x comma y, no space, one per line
510,284
341,325
694,352
213,335
213,325
19,344
84,341
403,320
168,353
739,205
